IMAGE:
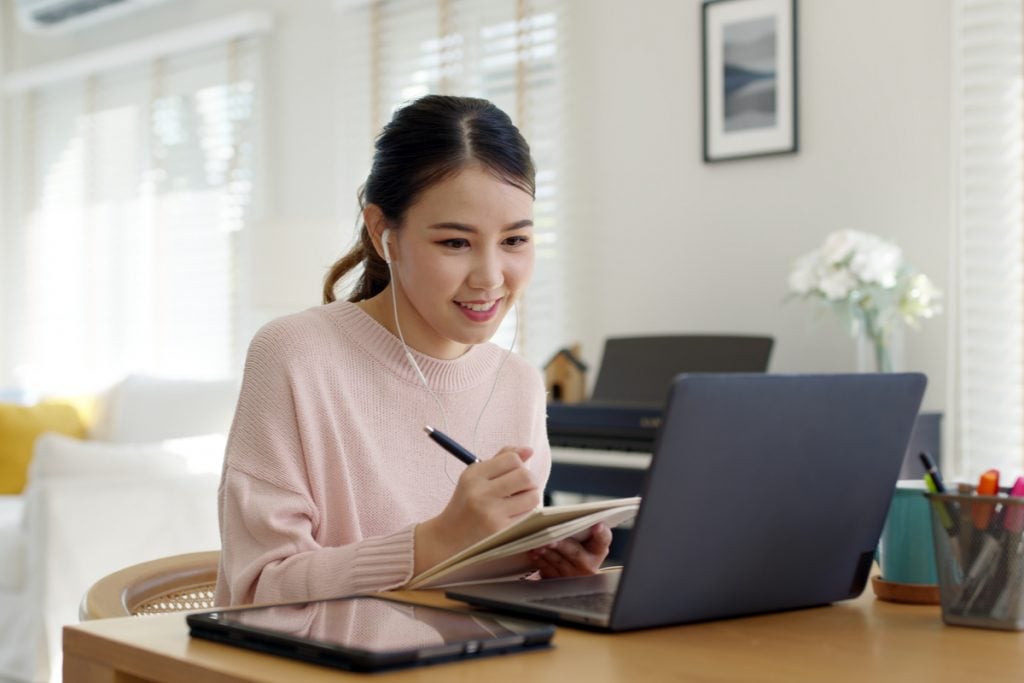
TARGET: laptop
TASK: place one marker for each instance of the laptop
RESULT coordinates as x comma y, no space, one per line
764,493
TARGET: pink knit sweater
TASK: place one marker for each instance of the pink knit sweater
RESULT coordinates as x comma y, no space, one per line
327,468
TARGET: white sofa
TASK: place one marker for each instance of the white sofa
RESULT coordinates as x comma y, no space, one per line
143,486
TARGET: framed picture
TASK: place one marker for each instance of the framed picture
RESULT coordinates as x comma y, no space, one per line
750,94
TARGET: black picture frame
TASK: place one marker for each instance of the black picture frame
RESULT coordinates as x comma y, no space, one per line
749,78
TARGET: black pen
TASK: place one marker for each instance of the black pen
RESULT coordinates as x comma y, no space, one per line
931,468
446,442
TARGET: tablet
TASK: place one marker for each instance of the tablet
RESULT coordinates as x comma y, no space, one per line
369,633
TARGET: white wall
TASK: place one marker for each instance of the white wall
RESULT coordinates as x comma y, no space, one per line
666,243
671,244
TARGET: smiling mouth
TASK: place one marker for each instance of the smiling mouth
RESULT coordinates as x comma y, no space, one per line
478,307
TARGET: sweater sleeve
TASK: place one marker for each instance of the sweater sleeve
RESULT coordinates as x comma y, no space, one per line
268,515
269,553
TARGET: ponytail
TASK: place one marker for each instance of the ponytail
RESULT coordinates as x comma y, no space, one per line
375,276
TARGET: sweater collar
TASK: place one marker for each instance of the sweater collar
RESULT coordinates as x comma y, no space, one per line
476,365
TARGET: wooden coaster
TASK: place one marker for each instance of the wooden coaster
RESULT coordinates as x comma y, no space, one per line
911,593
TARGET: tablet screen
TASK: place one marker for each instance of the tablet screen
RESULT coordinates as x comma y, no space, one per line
368,631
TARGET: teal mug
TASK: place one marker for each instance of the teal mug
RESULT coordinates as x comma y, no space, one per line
906,550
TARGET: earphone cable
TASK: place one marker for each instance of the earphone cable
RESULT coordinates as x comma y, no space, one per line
497,374
426,384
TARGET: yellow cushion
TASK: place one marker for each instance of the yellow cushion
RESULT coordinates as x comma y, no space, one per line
19,427
86,405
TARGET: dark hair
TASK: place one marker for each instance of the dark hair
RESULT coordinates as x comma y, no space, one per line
427,141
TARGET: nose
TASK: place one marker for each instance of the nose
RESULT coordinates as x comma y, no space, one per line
487,272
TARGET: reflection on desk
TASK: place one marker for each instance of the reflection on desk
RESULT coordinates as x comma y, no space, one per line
858,640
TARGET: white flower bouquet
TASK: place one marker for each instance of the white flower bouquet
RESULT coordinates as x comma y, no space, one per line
864,279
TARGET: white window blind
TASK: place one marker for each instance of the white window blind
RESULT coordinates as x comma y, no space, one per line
989,305
507,51
136,182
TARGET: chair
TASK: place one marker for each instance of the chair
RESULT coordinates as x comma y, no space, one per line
179,583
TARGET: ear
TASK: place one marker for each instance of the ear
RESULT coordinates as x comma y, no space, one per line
376,223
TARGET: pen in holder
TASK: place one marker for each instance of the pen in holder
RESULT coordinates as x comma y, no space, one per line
979,555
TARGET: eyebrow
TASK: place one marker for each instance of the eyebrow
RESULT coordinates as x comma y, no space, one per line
462,227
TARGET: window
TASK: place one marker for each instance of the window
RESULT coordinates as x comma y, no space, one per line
137,182
988,298
507,51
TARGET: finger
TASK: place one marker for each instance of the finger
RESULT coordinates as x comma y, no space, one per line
495,511
480,474
496,504
513,483
504,461
547,565
561,559
522,503
600,540
574,554
548,572
515,505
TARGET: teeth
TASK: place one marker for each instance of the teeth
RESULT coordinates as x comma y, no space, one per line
479,308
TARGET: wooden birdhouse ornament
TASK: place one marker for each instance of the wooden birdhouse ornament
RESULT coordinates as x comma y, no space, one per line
565,376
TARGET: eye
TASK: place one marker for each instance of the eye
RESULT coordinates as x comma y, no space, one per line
455,243
516,240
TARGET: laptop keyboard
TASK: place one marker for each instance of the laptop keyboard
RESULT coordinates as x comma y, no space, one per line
599,603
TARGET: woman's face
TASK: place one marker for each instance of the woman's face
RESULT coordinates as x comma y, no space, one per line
463,254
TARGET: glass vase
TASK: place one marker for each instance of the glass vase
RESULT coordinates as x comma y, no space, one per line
880,353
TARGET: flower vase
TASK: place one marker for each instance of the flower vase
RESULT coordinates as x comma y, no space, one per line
880,353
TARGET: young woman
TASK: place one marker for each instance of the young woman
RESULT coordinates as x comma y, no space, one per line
330,485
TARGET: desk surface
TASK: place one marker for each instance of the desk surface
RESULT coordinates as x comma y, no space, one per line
858,640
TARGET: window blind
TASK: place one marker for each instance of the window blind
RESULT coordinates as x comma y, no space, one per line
510,52
136,182
989,292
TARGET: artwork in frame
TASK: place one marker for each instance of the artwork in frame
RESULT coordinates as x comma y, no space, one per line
750,84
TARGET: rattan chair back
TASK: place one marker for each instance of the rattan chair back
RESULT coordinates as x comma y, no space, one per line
180,583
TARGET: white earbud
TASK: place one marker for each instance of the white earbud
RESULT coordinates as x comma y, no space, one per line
384,243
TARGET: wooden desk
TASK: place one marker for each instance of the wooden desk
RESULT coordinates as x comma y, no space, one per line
860,640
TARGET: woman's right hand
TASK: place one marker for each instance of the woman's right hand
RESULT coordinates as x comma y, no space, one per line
489,496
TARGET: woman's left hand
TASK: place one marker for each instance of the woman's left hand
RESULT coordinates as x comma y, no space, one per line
570,557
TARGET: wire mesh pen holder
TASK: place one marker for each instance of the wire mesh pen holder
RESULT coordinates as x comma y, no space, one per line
979,554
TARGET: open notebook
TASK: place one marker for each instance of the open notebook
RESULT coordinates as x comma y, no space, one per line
504,554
